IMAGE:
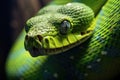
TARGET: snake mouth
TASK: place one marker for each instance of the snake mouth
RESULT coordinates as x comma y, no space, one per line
36,51
50,45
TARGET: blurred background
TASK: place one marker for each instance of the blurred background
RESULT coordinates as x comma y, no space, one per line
13,15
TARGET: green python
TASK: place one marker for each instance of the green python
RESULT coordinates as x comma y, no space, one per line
69,42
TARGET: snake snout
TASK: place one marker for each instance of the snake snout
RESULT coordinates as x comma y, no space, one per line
33,44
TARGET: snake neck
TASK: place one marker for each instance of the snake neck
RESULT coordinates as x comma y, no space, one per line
105,41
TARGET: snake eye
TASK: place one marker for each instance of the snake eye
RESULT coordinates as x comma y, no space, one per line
65,26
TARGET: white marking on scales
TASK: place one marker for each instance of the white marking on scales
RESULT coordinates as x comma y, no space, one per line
72,57
104,52
55,75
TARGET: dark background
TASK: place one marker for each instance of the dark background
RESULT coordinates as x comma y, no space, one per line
13,15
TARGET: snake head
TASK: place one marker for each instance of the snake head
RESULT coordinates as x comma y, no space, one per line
58,30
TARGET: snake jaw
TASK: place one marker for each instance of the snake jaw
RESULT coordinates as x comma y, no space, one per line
49,45
40,44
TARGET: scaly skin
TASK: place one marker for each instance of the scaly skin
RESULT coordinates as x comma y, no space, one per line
55,31
95,59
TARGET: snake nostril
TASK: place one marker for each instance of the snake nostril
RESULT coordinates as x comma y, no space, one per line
26,37
39,37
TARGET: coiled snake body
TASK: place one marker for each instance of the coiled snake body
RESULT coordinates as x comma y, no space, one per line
66,43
